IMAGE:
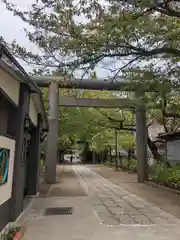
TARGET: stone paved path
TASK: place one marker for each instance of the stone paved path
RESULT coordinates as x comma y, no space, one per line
116,206
101,210
166,199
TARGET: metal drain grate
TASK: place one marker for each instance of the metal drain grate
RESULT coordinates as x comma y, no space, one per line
58,211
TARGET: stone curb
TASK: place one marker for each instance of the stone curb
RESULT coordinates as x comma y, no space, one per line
152,184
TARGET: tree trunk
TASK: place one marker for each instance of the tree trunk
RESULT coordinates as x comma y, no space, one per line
152,146
86,153
154,150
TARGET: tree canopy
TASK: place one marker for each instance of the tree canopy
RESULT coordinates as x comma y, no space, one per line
131,40
93,125
108,34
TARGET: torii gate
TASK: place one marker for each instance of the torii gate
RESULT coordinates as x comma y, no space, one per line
54,83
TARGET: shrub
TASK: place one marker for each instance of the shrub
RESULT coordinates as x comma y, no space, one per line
167,174
131,164
158,171
10,235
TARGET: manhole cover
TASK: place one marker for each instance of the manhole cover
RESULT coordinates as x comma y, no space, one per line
58,211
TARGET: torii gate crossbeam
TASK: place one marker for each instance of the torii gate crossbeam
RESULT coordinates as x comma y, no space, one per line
54,83
97,103
101,84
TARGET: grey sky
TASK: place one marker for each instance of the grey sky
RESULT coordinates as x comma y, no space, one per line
11,28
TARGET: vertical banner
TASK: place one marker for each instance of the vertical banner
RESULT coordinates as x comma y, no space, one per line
4,165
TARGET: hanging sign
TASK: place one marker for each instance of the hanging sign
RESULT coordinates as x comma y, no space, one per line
4,165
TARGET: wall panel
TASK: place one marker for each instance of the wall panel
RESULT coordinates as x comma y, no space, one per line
10,86
33,111
6,189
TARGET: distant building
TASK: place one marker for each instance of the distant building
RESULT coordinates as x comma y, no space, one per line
168,144
154,131
172,146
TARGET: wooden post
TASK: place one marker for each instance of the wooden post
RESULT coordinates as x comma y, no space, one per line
33,160
116,143
93,157
16,201
141,143
52,138
120,160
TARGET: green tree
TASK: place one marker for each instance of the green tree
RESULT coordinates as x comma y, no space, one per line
142,39
108,32
83,124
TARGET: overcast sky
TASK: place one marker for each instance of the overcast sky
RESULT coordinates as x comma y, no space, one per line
11,28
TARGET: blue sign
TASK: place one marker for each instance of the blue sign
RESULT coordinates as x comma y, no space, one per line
4,165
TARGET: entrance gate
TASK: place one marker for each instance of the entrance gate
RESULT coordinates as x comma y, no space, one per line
54,83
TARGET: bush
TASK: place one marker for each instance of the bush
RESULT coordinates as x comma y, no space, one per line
167,174
159,171
131,164
10,235
41,164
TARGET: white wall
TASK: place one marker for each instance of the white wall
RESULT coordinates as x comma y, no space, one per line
154,130
173,150
33,111
10,86
6,189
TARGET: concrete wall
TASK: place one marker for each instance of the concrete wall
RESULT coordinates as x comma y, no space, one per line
15,102
10,86
4,108
173,150
33,111
9,93
5,189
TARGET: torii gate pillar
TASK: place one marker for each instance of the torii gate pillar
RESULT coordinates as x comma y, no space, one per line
52,138
141,144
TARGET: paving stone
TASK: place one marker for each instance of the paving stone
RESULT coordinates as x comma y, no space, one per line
99,208
111,195
102,196
108,202
117,199
106,198
170,218
122,205
137,205
96,201
161,221
110,221
160,214
151,210
120,194
129,209
116,210
146,204
150,214
105,215
142,219
133,202
125,219
122,202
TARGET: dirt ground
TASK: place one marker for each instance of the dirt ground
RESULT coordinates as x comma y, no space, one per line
166,199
